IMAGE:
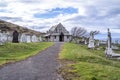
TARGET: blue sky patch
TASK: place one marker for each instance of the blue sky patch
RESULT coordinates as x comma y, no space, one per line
54,12
2,10
3,5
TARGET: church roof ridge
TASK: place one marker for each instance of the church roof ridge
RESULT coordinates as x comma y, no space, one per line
55,26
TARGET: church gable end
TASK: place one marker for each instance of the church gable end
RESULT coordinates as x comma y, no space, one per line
58,33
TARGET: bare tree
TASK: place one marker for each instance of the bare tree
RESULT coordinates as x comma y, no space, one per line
94,32
77,32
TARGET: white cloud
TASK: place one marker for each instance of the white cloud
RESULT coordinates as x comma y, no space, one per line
92,14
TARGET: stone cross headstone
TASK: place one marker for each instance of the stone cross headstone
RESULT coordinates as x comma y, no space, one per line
91,41
109,39
109,52
109,48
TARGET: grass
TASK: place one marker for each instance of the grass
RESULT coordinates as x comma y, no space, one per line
87,64
11,52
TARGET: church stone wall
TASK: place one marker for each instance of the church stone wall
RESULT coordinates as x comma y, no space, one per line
58,31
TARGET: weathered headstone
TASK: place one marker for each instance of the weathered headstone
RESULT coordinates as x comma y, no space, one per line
15,37
98,44
85,41
1,42
109,52
23,38
28,38
3,37
91,41
34,38
108,49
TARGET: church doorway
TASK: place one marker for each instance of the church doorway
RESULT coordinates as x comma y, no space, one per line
15,37
61,37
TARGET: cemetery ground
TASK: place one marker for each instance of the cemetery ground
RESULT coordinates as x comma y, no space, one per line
80,63
12,52
42,66
77,62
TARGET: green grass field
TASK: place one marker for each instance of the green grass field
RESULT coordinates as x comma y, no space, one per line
80,63
11,52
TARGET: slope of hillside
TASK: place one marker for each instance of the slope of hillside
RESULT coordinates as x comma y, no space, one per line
11,26
80,63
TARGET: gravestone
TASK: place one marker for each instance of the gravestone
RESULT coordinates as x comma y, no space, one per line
3,37
34,38
28,38
91,41
23,38
98,44
109,49
1,42
109,52
85,41
15,37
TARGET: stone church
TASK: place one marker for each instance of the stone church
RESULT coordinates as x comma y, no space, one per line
58,33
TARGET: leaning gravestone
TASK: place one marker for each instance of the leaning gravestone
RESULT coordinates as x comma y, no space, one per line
91,41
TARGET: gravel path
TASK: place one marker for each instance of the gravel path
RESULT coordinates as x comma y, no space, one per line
40,67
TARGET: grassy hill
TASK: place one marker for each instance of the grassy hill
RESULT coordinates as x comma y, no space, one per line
11,52
21,29
80,63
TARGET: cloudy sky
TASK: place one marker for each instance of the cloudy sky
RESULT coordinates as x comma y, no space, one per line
40,15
